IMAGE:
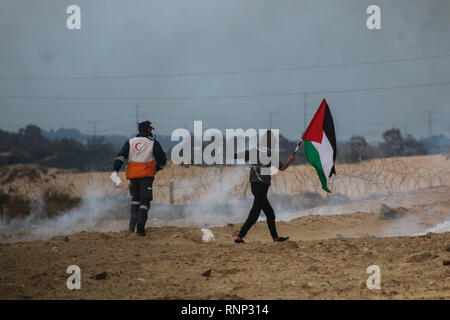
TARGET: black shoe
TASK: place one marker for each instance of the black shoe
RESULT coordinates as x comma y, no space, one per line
140,231
280,239
132,229
239,240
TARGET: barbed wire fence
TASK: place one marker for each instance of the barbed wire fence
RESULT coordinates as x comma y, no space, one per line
181,185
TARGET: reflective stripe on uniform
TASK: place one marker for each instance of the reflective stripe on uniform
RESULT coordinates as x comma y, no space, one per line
143,207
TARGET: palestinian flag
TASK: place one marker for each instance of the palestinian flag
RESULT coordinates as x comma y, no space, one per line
319,142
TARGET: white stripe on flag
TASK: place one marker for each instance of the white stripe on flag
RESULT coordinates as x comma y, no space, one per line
325,151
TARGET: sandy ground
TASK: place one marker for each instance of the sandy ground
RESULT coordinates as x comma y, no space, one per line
330,248
326,258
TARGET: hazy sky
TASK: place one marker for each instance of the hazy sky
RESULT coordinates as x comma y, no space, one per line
142,37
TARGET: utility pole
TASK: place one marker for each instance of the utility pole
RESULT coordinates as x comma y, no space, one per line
271,118
135,118
94,128
305,110
429,124
137,112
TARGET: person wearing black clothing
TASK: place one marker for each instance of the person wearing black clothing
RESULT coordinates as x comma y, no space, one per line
260,184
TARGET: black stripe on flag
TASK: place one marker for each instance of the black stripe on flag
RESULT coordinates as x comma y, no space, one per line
328,128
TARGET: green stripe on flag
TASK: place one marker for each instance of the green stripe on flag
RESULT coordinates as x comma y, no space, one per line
314,158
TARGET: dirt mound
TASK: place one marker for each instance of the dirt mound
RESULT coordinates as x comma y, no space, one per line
31,173
385,212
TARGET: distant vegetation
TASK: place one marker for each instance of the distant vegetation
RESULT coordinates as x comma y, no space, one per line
30,146
55,149
394,145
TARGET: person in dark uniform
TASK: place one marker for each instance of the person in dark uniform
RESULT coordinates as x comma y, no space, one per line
145,157
260,184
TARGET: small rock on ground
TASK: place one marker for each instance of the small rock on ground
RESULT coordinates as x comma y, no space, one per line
421,257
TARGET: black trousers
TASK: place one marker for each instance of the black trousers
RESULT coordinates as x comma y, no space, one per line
259,190
141,191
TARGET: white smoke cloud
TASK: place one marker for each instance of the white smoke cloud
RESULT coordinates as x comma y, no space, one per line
99,210
95,207
440,228
216,206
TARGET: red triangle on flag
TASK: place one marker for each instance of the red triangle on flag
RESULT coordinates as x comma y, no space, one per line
314,132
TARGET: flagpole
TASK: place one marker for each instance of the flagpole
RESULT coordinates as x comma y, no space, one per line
298,147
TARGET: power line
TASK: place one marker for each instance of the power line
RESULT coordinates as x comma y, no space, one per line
230,96
191,74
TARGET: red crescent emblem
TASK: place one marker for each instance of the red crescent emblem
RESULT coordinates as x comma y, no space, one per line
139,146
